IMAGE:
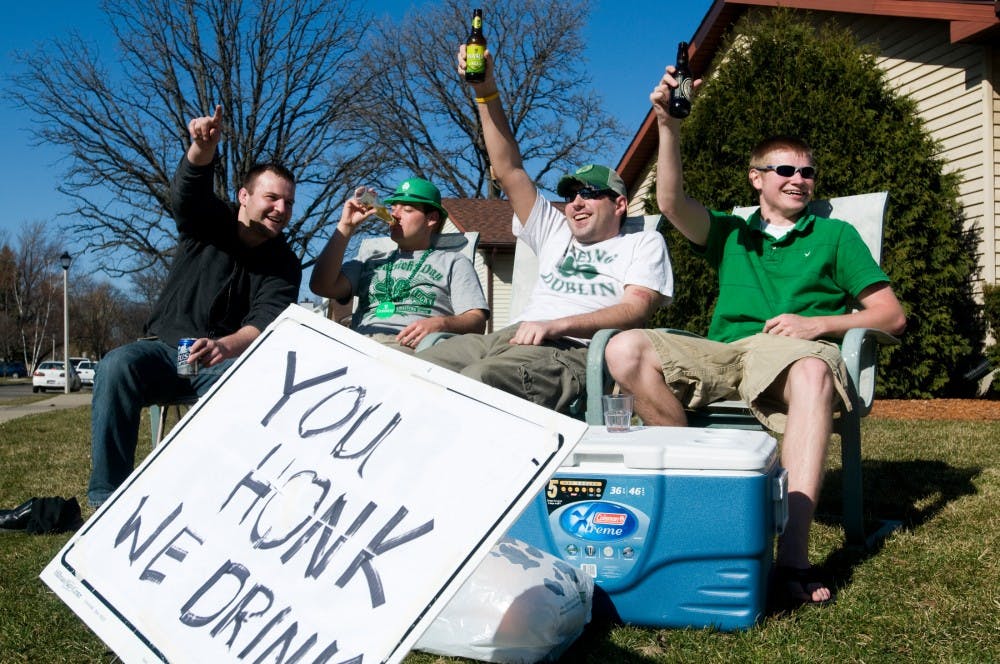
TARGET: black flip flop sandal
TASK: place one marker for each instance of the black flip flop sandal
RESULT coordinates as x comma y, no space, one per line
784,581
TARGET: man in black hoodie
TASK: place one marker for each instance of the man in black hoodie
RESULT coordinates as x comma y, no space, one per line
232,274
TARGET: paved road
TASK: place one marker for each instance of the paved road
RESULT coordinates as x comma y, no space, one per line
71,400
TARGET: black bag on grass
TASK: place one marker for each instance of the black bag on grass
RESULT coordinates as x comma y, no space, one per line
53,515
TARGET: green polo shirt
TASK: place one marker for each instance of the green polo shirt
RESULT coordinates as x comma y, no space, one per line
817,269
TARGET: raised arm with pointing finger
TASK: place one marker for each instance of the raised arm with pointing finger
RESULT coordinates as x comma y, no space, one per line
591,275
206,132
232,274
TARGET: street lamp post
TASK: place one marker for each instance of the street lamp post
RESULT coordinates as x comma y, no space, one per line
65,260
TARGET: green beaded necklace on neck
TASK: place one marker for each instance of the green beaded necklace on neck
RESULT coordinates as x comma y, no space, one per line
399,289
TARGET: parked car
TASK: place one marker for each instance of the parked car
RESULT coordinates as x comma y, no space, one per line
75,361
51,375
86,369
13,370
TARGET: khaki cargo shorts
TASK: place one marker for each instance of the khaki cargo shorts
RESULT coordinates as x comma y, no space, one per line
700,371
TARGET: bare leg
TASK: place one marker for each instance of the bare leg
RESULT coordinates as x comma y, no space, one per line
634,364
808,391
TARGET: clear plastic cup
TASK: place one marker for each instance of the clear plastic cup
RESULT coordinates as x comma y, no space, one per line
379,209
618,411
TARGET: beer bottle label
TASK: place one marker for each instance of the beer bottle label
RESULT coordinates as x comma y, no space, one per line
685,86
475,60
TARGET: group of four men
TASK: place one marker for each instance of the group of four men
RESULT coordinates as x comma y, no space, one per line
788,283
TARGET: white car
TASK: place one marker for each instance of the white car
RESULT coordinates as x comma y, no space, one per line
51,375
86,369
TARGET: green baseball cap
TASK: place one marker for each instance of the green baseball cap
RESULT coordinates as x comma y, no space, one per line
419,191
593,175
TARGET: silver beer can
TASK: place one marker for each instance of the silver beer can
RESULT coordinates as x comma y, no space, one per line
184,369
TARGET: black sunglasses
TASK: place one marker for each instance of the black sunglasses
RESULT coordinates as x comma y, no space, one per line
786,171
590,193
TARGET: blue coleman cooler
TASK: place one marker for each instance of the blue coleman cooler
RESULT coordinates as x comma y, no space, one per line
675,524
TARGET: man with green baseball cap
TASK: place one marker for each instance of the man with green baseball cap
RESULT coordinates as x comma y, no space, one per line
407,293
591,274
601,178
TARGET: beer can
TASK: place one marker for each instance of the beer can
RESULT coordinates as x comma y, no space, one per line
184,369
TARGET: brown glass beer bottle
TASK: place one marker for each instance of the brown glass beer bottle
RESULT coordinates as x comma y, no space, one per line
475,50
680,97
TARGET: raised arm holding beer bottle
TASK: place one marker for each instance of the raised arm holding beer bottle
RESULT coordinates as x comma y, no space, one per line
412,291
232,274
591,276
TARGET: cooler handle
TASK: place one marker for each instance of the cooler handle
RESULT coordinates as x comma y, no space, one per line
629,456
779,494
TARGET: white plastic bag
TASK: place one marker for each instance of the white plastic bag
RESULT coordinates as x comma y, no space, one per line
521,605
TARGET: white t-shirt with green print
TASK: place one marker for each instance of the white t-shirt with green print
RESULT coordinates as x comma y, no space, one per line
397,288
576,279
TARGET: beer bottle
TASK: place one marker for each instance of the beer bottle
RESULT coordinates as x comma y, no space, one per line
680,97
475,50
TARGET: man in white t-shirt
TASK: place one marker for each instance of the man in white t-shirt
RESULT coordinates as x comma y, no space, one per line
591,276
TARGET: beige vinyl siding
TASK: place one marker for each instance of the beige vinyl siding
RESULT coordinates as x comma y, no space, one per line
991,100
502,271
503,268
952,86
637,201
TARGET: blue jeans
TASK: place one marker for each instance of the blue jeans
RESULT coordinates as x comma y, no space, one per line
128,379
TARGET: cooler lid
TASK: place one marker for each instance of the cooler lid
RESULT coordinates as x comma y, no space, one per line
676,448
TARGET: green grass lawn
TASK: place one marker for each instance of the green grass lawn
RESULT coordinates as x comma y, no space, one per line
929,593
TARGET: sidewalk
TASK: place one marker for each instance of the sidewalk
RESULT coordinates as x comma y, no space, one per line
71,400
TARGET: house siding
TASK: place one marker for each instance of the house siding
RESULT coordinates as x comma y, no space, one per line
953,87
991,234
637,204
503,270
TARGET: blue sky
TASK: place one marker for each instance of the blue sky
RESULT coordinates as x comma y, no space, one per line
629,43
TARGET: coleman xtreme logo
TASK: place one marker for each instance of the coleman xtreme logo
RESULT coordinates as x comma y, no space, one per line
598,521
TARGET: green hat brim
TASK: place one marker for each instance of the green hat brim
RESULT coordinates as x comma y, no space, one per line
409,198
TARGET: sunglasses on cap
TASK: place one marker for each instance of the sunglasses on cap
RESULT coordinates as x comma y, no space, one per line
591,193
786,171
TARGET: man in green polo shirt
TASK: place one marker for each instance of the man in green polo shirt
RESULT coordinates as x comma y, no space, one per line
788,281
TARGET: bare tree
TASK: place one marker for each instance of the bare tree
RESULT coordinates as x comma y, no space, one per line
102,317
427,115
10,336
285,71
147,286
35,291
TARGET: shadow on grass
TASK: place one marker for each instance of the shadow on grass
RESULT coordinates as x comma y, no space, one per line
907,493
595,645
910,492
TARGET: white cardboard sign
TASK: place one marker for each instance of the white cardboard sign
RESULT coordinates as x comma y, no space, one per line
320,504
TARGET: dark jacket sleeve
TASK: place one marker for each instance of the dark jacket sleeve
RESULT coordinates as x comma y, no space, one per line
197,210
274,287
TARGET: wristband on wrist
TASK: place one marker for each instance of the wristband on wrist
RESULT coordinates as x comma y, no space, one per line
488,98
